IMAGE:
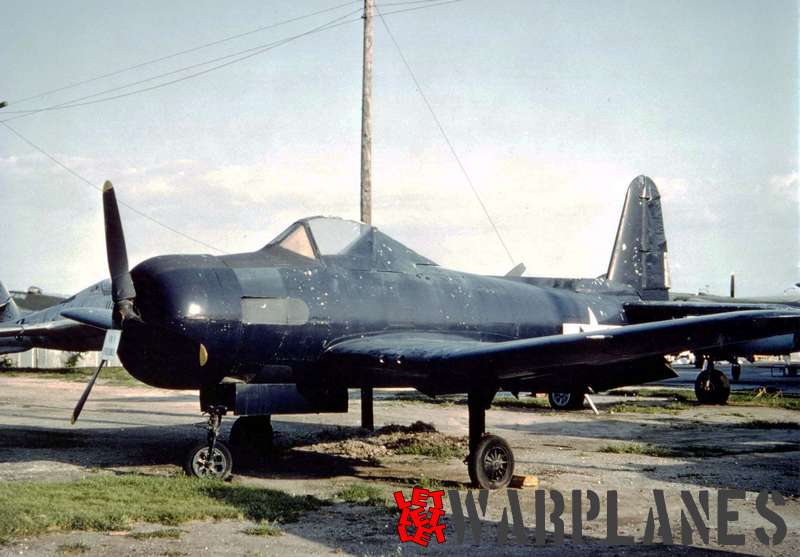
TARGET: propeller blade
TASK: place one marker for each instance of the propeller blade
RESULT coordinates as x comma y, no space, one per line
121,282
85,395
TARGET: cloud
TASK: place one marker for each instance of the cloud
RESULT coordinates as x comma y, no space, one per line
557,214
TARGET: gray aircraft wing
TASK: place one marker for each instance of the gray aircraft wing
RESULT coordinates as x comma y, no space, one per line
74,329
427,357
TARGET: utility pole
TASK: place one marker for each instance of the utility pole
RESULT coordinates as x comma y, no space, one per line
367,420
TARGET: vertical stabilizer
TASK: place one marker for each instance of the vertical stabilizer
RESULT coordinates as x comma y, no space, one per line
639,258
8,308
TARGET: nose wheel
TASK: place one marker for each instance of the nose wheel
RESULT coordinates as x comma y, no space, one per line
210,459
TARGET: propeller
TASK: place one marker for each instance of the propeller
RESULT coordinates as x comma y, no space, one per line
122,291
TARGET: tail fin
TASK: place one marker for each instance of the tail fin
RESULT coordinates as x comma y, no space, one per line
8,308
639,258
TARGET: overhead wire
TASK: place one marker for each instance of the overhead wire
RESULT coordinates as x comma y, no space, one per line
98,188
251,52
444,135
237,57
180,53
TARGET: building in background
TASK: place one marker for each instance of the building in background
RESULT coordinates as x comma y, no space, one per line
34,299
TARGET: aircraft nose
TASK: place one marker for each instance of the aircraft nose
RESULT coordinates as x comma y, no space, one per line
189,325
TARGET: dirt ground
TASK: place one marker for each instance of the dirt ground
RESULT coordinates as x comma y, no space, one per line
146,430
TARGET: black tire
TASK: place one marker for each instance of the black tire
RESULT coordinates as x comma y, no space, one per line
251,440
197,463
566,400
491,464
736,372
712,387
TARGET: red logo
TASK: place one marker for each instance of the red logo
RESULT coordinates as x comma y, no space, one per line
421,515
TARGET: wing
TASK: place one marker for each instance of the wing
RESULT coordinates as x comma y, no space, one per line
427,358
77,329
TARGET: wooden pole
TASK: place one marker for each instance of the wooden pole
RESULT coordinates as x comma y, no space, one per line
367,415
366,117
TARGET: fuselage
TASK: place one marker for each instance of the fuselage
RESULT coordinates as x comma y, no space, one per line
268,315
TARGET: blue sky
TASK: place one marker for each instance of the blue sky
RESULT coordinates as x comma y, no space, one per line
554,107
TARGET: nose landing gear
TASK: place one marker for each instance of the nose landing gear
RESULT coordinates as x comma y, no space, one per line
210,459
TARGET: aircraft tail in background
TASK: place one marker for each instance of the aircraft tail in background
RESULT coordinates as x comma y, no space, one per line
8,308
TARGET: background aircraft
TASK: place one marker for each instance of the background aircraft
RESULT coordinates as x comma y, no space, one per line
773,346
332,304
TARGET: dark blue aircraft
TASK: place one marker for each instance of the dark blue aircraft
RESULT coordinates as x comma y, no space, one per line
332,304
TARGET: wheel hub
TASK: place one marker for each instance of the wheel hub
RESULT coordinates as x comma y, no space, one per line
495,463
209,467
561,399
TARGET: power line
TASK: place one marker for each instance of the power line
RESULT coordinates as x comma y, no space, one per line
444,135
242,55
181,53
98,188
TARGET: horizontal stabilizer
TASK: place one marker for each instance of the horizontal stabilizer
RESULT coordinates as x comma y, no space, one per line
646,312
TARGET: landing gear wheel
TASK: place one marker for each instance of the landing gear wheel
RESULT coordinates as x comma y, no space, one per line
218,466
251,440
491,464
736,372
565,401
712,387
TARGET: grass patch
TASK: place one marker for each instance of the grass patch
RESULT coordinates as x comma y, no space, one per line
264,529
767,400
679,395
109,375
425,447
639,449
737,398
692,451
523,403
766,424
104,503
164,533
76,548
362,494
639,408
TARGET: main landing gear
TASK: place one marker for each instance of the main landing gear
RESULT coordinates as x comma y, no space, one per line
711,386
250,438
490,462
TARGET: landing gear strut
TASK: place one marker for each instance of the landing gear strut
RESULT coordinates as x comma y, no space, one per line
490,462
210,459
712,386
736,371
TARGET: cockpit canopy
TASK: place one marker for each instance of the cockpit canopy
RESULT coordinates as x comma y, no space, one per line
351,244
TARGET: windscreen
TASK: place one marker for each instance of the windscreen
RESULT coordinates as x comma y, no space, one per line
335,236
